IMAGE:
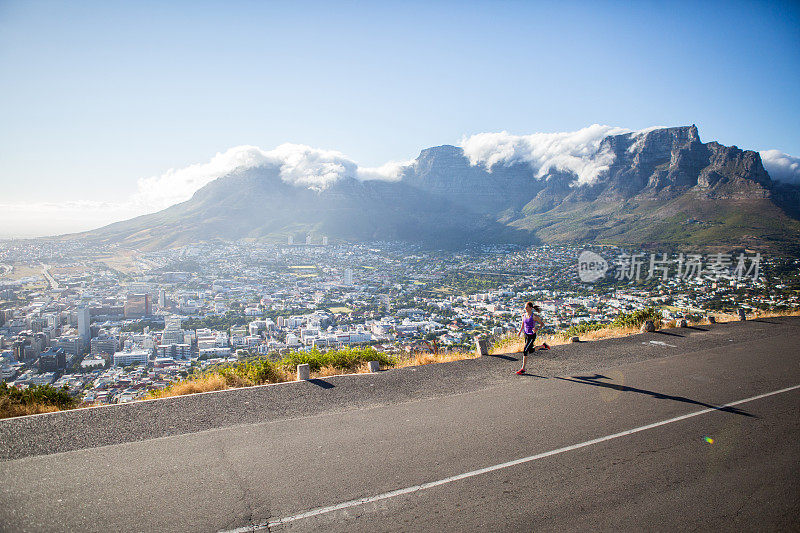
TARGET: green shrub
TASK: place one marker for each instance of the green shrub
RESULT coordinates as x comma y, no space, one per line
343,358
37,394
258,371
578,329
636,318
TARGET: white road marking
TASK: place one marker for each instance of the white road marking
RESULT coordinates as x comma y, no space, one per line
661,343
486,470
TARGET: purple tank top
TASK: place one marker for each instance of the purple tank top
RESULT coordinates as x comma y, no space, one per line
529,324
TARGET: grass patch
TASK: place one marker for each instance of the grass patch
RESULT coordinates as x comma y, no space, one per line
425,358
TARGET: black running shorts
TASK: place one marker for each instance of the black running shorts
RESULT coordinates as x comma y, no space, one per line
530,341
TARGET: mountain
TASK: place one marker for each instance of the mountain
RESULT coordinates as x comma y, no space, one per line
656,189
257,204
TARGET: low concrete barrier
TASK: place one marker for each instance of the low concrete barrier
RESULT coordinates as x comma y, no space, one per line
712,319
481,347
575,339
303,372
648,326
742,315
683,323
373,366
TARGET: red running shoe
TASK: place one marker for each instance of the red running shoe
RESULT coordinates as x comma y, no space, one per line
544,346
520,372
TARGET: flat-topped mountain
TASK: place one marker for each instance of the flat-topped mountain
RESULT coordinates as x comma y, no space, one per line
657,188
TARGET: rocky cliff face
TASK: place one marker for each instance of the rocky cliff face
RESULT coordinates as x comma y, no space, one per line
661,163
445,172
667,162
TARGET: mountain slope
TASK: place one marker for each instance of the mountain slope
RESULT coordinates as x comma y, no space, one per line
257,204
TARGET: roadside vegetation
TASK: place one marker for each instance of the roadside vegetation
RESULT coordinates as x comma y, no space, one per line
261,370
33,400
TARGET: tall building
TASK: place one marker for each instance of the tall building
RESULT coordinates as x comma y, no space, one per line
172,335
308,239
126,358
71,344
290,240
37,324
325,240
52,360
137,306
162,298
84,324
41,340
104,344
176,351
19,350
348,276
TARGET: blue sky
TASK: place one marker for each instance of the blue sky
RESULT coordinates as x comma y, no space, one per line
96,96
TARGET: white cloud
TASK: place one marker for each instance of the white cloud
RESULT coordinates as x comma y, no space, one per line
781,167
391,171
576,151
177,185
298,164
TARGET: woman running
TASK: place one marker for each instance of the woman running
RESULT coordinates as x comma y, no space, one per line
531,323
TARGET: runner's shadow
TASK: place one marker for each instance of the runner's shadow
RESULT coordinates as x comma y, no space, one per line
696,328
501,356
595,380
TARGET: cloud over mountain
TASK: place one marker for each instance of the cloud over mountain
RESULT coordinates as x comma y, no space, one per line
298,165
781,167
577,151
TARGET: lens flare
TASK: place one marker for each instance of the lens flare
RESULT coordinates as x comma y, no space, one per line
708,440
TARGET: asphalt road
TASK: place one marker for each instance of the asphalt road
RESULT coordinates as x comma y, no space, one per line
565,429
